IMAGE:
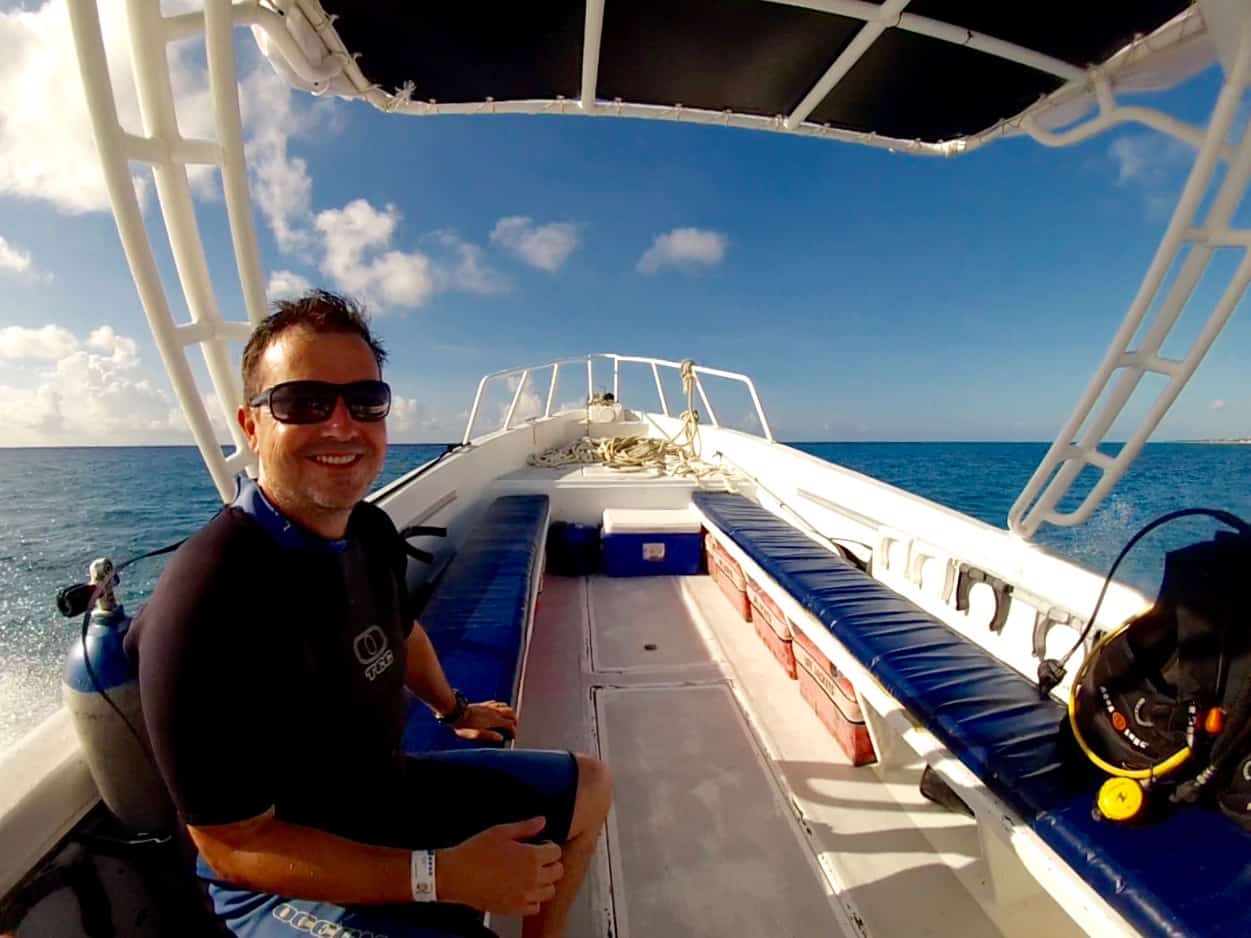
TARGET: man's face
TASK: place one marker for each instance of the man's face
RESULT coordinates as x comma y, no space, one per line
294,458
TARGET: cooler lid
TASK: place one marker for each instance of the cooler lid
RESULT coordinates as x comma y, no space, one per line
650,521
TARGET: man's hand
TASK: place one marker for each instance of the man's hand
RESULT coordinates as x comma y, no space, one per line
494,872
481,721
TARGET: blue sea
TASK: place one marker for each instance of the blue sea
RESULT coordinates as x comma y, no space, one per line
59,508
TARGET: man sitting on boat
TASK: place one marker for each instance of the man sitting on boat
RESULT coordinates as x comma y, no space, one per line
273,658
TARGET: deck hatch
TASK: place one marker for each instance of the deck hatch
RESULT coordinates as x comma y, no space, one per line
701,842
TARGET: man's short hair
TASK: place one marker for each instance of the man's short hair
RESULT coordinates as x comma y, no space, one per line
318,310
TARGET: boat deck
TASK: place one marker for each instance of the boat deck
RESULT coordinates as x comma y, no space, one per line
735,812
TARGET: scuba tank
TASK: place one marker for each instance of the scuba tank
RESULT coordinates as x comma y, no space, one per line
101,692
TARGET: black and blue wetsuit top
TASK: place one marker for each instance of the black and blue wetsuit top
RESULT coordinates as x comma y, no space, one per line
271,669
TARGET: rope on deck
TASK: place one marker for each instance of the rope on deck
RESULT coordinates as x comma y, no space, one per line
677,455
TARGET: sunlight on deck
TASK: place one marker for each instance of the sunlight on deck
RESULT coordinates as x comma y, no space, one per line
735,811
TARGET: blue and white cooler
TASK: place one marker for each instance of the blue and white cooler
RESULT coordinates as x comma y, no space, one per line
651,542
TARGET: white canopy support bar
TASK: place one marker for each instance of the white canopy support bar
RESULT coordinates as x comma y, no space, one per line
162,146
1185,27
219,43
593,29
887,16
655,364
1123,366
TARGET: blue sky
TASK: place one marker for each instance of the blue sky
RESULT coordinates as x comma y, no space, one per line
871,295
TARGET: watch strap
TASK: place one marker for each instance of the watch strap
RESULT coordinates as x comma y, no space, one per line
457,711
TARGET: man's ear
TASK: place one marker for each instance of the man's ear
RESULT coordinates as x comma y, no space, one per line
247,422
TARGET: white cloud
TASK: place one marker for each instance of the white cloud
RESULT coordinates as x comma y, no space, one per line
86,391
47,343
121,351
684,248
47,150
284,284
1148,159
390,278
281,184
1218,405
546,247
13,258
413,422
357,256
466,268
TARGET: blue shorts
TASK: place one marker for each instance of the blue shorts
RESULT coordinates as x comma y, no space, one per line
453,795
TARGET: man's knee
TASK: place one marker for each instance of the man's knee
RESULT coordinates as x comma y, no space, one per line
594,792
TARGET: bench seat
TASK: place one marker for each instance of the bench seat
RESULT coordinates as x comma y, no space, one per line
1187,875
478,615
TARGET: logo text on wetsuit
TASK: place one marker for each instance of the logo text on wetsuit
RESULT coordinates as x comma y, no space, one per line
373,651
310,924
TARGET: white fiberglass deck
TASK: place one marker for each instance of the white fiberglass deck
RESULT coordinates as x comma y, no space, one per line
735,812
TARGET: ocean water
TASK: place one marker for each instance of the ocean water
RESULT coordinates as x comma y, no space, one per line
60,508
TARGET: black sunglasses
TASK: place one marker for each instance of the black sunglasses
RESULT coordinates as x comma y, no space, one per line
314,401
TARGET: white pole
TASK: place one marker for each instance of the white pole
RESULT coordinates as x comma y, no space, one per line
712,414
473,411
590,51
156,104
512,408
887,15
219,44
1066,457
551,389
660,390
110,142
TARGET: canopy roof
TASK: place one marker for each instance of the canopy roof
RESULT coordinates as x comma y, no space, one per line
929,73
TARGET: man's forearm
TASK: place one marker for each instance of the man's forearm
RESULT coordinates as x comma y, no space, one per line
424,675
269,855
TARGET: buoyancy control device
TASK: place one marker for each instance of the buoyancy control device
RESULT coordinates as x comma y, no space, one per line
1163,702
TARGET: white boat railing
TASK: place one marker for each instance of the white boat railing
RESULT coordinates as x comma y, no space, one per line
523,374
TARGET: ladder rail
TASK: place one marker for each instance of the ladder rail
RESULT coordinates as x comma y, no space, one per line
1124,365
162,147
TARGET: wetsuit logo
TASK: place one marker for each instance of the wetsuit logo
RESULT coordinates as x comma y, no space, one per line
373,651
310,924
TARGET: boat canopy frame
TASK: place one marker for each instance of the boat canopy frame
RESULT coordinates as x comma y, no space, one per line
301,41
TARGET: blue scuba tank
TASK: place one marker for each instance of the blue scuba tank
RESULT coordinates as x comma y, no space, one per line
114,739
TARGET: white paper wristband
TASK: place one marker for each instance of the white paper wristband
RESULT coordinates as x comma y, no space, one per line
421,876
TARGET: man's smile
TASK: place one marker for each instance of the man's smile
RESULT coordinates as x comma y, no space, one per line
336,459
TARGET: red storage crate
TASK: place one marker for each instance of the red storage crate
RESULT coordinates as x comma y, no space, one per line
772,626
728,575
833,698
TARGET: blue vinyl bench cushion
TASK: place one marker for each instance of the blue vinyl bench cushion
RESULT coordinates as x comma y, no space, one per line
1187,875
476,618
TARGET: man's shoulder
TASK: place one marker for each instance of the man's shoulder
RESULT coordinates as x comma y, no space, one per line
371,522
231,536
207,563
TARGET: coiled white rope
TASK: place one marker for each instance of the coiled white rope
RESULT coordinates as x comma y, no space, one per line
677,455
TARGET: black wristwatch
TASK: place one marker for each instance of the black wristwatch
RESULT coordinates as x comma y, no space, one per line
457,711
